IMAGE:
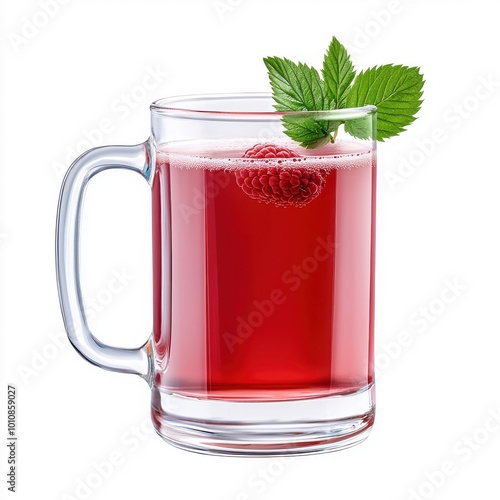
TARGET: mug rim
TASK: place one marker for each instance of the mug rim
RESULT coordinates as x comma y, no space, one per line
170,106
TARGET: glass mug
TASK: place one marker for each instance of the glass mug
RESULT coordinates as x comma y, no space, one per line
263,276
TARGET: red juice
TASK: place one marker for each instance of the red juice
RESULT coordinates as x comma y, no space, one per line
262,301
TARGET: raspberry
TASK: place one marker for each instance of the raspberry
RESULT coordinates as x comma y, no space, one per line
275,184
270,151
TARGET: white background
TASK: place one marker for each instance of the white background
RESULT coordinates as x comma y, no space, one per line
438,210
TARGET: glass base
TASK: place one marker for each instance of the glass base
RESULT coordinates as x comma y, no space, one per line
274,428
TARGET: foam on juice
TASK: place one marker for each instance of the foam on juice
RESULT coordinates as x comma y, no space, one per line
227,155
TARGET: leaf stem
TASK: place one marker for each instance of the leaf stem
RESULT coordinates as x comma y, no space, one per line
334,136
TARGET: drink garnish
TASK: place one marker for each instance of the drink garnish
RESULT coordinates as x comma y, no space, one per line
266,182
396,90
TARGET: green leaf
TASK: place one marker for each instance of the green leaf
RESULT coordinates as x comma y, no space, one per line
338,72
296,87
309,132
360,127
396,90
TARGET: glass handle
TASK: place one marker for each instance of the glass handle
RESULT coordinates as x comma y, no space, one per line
138,159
